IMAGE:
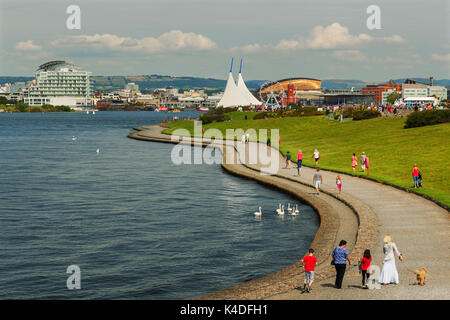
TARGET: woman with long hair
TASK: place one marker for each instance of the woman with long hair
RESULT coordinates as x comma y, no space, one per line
389,272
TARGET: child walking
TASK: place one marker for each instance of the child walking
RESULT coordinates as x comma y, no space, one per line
309,262
339,184
354,163
365,264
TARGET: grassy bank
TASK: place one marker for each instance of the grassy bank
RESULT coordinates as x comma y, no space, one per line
392,149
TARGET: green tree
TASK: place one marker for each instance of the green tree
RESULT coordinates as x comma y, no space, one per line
393,97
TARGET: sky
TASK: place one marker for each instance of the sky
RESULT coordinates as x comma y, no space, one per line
322,39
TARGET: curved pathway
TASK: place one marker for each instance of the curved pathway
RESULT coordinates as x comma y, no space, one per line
419,227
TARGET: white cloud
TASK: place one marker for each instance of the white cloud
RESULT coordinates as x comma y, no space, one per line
335,36
27,46
394,39
250,48
441,57
174,40
349,55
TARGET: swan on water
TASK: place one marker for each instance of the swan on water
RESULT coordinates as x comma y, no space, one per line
289,208
281,211
74,138
296,211
98,151
258,213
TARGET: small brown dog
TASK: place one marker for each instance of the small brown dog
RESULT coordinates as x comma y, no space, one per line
421,276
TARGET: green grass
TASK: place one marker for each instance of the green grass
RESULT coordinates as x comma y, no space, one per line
392,150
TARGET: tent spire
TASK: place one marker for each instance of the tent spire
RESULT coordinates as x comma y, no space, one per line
240,69
231,68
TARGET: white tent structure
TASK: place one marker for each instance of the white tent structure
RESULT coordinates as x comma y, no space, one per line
233,97
244,90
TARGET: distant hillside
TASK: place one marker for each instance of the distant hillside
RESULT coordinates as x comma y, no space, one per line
151,82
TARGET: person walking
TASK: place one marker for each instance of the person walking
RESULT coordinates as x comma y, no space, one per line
339,184
354,163
309,262
365,264
317,180
316,157
416,174
299,161
367,165
247,137
389,272
288,159
363,161
340,257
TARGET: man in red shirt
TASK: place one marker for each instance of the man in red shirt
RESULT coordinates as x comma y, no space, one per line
309,262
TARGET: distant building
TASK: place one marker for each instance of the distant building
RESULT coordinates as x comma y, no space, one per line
411,90
5,89
131,86
378,89
437,91
414,90
60,83
347,97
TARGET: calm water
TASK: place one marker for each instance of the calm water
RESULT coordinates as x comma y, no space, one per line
138,226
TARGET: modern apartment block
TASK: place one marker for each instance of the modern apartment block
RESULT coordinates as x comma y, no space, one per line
60,83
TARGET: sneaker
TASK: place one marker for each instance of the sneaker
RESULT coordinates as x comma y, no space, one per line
309,289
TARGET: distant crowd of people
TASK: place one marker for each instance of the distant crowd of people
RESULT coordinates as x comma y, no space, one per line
363,161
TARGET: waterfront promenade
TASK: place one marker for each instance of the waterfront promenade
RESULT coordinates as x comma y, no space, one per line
365,212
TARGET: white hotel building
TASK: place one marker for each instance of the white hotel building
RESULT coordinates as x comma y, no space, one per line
60,83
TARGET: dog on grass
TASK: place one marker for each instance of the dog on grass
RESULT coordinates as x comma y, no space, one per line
421,276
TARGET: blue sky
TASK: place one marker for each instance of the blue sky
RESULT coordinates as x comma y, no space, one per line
324,39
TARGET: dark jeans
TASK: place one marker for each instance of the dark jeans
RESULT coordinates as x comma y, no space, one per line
365,277
340,271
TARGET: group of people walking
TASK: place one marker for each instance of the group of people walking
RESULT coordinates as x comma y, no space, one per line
340,258
364,161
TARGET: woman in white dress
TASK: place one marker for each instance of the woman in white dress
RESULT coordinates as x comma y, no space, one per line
389,272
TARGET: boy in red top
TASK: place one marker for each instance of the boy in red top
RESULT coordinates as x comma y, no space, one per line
365,264
309,262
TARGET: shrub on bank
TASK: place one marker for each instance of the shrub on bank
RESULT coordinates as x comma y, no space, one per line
358,113
427,118
216,115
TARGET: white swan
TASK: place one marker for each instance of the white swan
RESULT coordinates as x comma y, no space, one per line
296,211
281,211
74,138
289,208
258,213
98,150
